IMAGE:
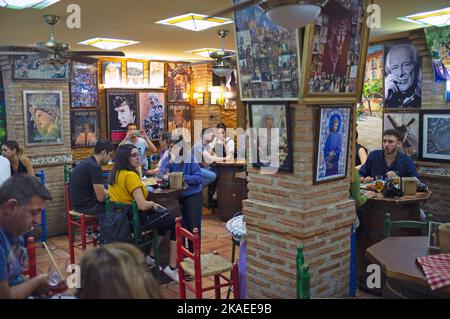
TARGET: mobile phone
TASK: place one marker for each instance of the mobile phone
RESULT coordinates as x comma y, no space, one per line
136,133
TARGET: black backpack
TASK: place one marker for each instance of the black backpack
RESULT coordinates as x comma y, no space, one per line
116,227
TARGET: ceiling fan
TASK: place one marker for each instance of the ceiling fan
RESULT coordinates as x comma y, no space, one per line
221,64
290,14
53,50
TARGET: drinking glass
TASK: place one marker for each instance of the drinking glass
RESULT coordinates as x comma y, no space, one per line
54,280
379,183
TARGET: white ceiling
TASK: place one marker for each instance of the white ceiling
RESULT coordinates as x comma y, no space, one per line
134,20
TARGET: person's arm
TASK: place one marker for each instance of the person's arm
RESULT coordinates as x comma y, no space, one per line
195,176
100,192
96,176
27,163
150,146
126,138
142,203
362,157
37,285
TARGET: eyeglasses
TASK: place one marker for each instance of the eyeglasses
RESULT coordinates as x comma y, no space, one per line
134,154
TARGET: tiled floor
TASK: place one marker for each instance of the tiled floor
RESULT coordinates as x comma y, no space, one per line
214,238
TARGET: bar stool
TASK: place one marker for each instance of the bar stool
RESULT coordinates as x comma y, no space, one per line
236,227
77,220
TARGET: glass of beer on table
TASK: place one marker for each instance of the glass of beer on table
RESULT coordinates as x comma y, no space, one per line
379,183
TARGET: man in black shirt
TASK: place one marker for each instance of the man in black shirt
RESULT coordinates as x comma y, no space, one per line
86,191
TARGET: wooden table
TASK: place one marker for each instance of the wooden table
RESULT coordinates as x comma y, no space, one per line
404,278
231,191
371,228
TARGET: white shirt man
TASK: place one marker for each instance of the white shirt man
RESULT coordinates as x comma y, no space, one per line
5,169
142,143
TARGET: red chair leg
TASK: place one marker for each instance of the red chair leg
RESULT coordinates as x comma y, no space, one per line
31,250
83,231
71,247
198,287
236,293
217,286
181,285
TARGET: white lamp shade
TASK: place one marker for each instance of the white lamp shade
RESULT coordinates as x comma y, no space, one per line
293,16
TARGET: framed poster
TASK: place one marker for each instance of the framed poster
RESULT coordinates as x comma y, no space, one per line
30,68
156,74
84,128
179,117
83,85
267,57
435,139
438,44
178,82
265,116
122,110
407,124
332,144
135,73
152,113
402,75
43,117
229,89
335,49
112,73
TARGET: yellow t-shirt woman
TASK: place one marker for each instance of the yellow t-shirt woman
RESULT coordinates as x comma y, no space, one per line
122,190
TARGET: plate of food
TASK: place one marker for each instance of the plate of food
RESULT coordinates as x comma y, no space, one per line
368,186
149,181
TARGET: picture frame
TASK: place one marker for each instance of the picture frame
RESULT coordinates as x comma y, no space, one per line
43,117
30,68
84,128
407,124
83,85
268,57
435,136
135,73
329,73
152,113
178,79
112,73
179,117
396,53
332,143
263,115
156,74
433,236
229,87
122,109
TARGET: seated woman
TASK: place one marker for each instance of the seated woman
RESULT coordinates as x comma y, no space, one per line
116,271
191,198
125,186
20,164
361,154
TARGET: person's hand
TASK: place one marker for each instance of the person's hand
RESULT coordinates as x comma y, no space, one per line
410,151
391,83
129,133
370,194
156,206
43,289
143,134
152,171
368,179
391,174
331,155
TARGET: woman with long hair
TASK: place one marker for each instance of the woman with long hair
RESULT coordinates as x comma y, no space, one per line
116,271
125,186
20,164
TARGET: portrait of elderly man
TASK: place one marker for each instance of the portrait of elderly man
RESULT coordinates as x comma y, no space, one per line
47,122
403,76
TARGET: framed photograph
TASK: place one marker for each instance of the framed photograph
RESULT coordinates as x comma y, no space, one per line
178,82
156,74
84,128
112,73
229,88
433,236
43,117
30,68
83,85
407,124
265,116
179,117
135,73
268,57
152,113
435,139
334,54
332,143
402,75
122,110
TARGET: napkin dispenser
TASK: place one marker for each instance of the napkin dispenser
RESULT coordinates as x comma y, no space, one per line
444,238
176,180
409,186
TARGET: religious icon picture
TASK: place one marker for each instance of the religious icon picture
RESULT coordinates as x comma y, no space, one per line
179,118
112,73
332,143
122,110
178,82
435,139
43,117
84,128
407,124
135,73
152,113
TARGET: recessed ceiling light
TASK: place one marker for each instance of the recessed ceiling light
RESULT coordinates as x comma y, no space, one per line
195,21
204,52
437,18
108,44
22,4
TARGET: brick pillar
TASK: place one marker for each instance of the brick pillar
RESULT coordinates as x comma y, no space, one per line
286,209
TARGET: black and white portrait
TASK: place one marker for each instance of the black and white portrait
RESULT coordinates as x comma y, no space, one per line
402,75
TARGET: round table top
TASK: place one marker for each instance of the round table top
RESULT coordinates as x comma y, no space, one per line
236,227
231,163
418,198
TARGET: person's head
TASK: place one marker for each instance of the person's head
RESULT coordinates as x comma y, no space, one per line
11,149
335,123
207,135
164,139
154,100
45,118
221,130
131,128
126,157
392,141
104,150
402,61
116,271
22,199
268,121
180,78
179,119
125,111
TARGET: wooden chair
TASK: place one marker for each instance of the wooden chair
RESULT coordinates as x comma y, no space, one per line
141,238
200,266
77,220
389,224
303,277
31,270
